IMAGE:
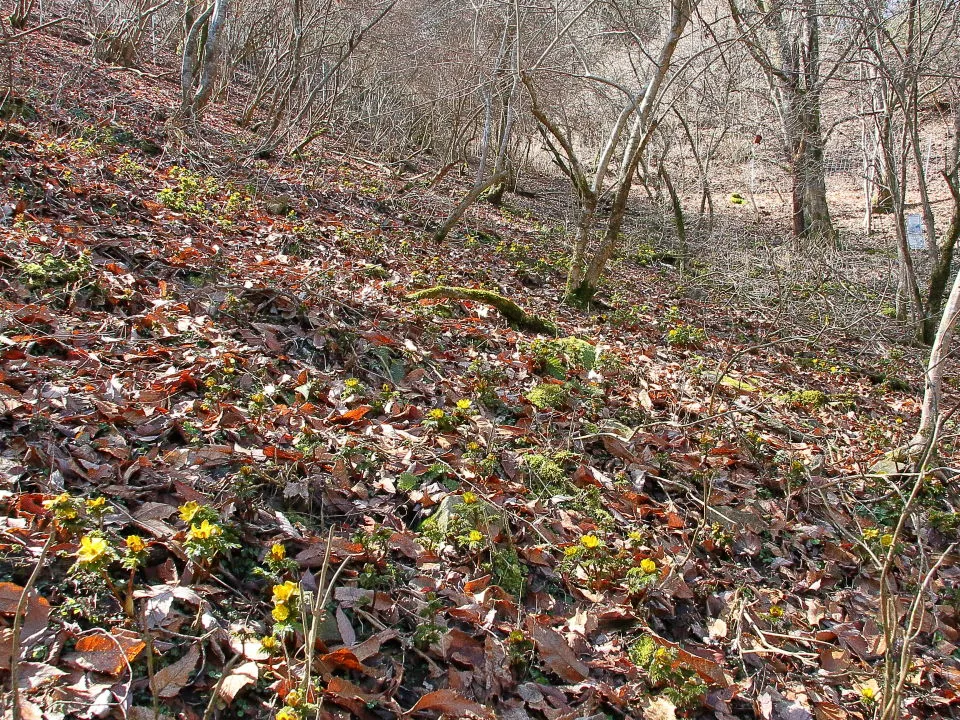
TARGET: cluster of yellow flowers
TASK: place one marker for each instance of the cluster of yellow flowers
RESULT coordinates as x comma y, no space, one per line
873,535
284,600
203,531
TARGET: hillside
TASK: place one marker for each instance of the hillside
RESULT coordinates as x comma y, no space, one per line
225,426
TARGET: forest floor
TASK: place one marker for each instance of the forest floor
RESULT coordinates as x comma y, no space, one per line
223,422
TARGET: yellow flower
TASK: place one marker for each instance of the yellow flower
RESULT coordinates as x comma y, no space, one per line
189,510
571,550
869,692
63,507
268,643
284,591
436,414
91,549
280,613
475,536
776,611
60,499
210,382
277,552
871,534
293,698
135,544
886,540
203,531
352,383
469,498
648,565
590,541
287,713
464,404
635,535
258,398
96,505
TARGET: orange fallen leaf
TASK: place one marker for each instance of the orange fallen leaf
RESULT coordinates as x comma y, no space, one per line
105,653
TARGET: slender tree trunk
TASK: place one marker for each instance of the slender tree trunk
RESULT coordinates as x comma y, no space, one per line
441,234
677,220
940,273
939,353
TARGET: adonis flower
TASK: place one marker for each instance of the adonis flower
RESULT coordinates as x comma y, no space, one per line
189,510
135,544
280,613
96,505
284,591
203,531
469,498
277,552
590,541
91,549
648,566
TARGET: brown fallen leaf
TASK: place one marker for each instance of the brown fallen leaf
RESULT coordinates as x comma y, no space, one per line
34,675
170,680
239,678
452,704
10,599
556,653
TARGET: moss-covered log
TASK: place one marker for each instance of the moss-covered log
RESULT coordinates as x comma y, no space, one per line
515,315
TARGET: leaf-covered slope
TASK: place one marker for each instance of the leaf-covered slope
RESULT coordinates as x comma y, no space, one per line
667,516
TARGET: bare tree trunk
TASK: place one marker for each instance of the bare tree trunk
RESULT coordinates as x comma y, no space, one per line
939,353
677,220
211,55
188,65
441,234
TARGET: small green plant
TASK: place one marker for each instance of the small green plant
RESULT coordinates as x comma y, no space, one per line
645,254
684,335
191,193
641,577
679,682
128,169
548,396
206,537
53,270
809,399
561,356
545,475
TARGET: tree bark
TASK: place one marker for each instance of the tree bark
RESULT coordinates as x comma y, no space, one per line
933,386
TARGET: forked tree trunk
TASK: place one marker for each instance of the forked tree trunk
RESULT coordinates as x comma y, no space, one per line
194,92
